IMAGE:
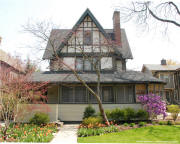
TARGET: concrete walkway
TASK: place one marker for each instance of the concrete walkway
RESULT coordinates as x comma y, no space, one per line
67,134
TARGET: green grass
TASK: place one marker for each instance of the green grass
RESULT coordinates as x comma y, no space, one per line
168,134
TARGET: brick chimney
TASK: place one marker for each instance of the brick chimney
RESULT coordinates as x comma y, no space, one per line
163,62
116,27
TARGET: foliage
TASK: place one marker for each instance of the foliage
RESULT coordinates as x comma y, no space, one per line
154,122
92,122
126,114
84,132
162,122
170,122
89,112
30,133
17,89
154,134
174,110
126,124
132,124
130,113
142,124
39,118
153,104
142,114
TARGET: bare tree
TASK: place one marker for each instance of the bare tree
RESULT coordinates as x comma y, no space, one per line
41,31
148,12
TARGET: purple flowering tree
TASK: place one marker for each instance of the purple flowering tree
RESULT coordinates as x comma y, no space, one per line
153,104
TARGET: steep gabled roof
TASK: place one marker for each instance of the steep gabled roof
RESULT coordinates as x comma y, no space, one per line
59,37
75,27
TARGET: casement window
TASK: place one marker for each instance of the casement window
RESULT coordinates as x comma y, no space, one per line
107,94
87,37
70,61
87,65
125,94
79,63
106,63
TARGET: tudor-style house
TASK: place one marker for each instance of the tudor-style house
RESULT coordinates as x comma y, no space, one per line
169,74
85,48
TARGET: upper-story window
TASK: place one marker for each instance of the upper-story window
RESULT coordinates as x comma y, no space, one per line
91,65
87,37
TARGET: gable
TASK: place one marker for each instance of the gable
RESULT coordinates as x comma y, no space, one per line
60,38
87,37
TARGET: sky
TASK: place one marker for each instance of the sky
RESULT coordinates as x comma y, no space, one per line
148,47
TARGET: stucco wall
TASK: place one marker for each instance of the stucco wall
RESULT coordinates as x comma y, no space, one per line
27,111
74,112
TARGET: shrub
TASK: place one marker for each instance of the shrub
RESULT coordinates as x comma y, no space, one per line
153,105
39,118
108,114
162,122
170,122
142,114
174,110
129,113
125,124
84,132
89,112
94,121
132,124
117,114
153,122
142,124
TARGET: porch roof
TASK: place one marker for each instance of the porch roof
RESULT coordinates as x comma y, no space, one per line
116,77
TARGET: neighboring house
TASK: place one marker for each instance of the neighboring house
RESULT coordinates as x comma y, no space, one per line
177,84
166,73
67,97
10,65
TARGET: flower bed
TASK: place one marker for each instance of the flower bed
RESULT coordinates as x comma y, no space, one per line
30,133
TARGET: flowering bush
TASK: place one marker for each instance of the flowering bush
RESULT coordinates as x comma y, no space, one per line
153,104
30,133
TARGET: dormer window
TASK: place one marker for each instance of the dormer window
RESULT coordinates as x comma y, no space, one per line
87,37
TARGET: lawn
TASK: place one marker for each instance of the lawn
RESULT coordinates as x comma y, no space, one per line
30,133
168,134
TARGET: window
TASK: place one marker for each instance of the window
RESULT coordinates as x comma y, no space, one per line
92,98
96,64
87,65
87,37
125,94
79,63
107,95
70,61
67,95
80,95
106,63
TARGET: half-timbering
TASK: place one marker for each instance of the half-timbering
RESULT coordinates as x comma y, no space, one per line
86,47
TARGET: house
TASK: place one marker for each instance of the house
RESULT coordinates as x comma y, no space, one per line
167,73
67,97
10,65
177,84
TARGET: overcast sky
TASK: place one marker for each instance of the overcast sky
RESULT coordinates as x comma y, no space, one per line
147,47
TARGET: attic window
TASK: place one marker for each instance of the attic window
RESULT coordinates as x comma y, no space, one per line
87,37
